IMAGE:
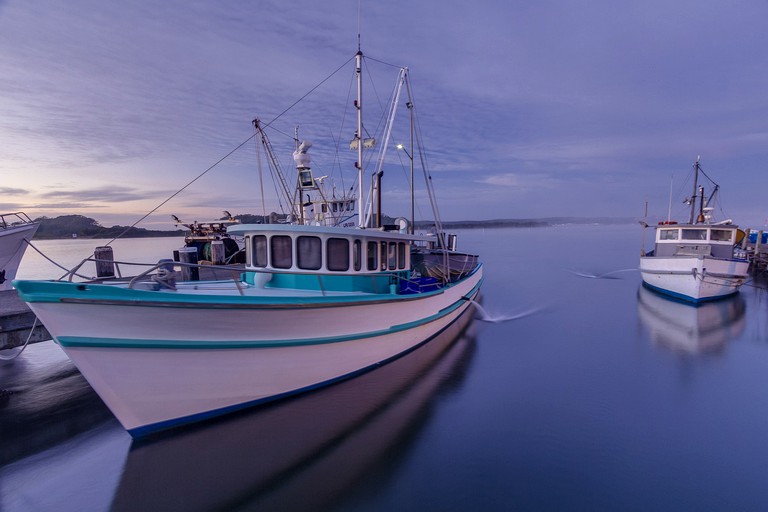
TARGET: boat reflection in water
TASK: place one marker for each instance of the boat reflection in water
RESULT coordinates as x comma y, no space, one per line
44,402
304,453
687,328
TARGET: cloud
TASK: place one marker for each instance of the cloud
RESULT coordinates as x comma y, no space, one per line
11,190
147,95
105,194
66,206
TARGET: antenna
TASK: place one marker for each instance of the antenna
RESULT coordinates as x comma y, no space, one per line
359,3
669,209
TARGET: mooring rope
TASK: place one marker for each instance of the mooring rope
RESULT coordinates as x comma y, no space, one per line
68,271
17,354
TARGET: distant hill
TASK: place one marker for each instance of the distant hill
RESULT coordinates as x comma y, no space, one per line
80,226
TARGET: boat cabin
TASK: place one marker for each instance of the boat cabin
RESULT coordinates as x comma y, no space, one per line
323,250
695,240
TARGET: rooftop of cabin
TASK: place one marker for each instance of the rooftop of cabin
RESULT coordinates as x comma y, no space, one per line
350,233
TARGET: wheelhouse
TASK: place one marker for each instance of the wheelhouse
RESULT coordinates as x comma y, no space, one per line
307,249
695,240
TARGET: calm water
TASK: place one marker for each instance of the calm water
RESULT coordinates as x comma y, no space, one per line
597,396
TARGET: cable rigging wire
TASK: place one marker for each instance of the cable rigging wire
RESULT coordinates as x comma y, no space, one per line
230,153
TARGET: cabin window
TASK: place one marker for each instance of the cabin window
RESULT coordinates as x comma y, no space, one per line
338,254
383,255
281,251
335,207
721,235
401,255
668,234
373,262
259,251
392,256
309,252
324,208
694,234
357,254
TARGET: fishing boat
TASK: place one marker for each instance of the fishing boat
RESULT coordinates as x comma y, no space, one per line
16,229
699,260
321,298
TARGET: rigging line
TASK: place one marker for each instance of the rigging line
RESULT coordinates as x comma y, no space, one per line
17,354
230,153
269,124
378,99
279,131
182,189
423,159
278,194
706,176
385,63
337,157
49,259
261,181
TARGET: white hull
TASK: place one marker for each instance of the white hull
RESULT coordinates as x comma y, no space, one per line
160,366
12,248
694,278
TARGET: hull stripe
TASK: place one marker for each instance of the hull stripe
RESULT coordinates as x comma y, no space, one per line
82,341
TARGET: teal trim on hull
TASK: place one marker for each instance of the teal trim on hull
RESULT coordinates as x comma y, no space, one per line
81,341
87,293
146,430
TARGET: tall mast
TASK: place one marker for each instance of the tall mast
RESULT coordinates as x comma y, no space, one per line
695,190
413,216
359,136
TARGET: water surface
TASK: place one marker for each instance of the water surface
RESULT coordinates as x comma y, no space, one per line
599,395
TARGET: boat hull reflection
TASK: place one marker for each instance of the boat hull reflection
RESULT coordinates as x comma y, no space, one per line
300,454
44,401
689,328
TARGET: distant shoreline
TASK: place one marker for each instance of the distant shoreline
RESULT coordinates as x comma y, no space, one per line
529,223
78,227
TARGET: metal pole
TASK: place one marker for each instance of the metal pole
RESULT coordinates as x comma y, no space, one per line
359,105
411,228
695,191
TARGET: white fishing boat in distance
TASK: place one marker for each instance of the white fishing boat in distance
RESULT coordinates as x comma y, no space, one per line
321,298
699,260
16,229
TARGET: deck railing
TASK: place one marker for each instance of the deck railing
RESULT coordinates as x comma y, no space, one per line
164,274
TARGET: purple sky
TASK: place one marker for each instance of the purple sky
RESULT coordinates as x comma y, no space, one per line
527,109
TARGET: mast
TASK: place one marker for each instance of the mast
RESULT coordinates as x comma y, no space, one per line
359,136
695,190
413,220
